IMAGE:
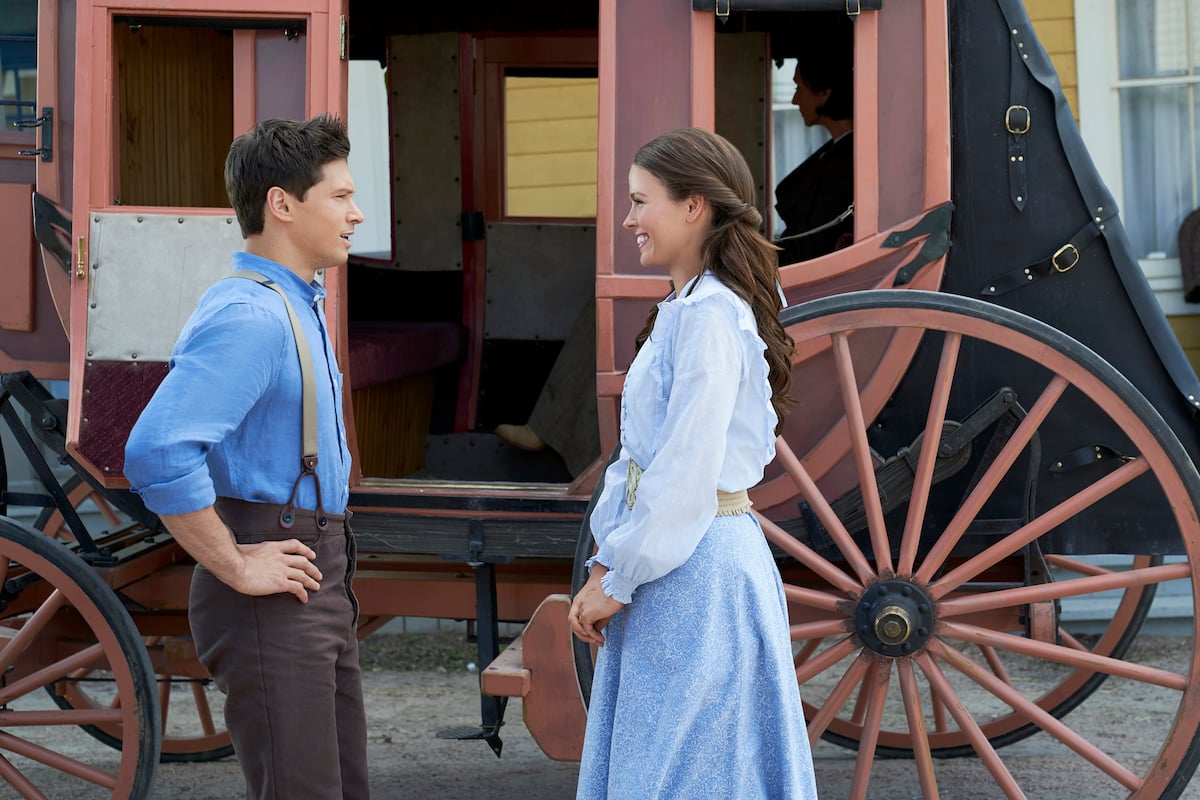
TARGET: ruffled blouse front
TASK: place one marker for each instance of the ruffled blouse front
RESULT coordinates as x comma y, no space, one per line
696,416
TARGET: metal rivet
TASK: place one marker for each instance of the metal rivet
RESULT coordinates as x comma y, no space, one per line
1025,55
1020,44
1013,158
1058,464
1027,271
229,220
992,289
1098,456
1028,277
1099,208
1097,219
1101,227
1020,199
1020,158
95,219
179,220
1014,31
139,219
133,355
1096,448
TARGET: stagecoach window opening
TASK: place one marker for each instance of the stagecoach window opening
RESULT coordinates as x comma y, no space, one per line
18,68
174,93
550,123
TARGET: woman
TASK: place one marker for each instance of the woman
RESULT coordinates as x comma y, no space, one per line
694,693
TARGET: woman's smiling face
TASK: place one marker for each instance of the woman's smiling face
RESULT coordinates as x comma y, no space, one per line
661,226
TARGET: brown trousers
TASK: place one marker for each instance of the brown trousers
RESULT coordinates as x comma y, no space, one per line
294,704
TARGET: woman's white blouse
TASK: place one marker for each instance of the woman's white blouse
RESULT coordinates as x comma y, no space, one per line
696,416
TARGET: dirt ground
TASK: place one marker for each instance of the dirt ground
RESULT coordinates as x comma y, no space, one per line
407,707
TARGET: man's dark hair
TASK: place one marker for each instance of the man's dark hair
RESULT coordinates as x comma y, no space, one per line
284,153
825,60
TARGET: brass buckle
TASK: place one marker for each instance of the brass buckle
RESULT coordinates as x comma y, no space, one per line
1065,248
717,8
853,8
1017,128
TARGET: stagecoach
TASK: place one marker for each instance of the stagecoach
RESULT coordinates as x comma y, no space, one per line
992,419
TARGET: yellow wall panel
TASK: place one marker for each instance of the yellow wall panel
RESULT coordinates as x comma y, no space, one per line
1054,22
550,146
1187,330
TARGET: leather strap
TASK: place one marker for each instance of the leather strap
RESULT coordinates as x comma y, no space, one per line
308,453
1017,121
1087,455
1064,259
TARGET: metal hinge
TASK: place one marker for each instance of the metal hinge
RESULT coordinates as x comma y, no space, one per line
342,37
81,259
46,123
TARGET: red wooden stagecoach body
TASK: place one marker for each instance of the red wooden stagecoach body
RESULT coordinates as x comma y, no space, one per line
908,569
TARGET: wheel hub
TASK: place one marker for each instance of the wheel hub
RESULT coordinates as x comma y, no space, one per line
894,618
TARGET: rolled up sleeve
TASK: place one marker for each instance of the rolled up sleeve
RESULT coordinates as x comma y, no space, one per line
220,369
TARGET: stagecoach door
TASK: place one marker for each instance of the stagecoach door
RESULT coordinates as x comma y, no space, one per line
161,91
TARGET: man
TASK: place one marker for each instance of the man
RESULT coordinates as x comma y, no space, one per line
815,200
217,454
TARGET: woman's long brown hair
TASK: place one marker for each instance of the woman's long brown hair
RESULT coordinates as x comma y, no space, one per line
695,162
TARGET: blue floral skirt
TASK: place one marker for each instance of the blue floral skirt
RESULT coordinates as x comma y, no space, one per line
695,694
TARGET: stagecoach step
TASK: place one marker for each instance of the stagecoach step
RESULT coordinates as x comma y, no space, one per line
467,733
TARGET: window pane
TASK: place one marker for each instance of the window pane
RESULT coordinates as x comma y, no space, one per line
18,61
550,146
1159,165
1153,37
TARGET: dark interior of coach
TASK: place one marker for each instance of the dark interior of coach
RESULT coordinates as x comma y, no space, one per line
477,170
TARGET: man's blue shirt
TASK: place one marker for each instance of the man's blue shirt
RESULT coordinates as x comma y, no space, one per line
226,420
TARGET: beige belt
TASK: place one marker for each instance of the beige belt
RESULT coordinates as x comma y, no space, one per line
729,504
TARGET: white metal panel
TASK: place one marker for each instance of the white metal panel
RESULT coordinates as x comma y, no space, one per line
147,271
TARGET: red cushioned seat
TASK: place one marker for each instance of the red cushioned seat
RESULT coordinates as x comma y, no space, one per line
386,351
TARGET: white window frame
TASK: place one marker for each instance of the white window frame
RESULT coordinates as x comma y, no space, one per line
1100,123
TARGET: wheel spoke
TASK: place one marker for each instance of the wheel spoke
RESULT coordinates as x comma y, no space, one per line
922,755
1038,716
861,448
1065,510
1007,598
818,630
806,652
51,673
164,700
837,698
808,557
813,598
33,627
940,723
824,512
991,479
994,664
876,687
923,480
1063,655
17,780
1075,565
203,709
58,761
56,716
806,672
987,753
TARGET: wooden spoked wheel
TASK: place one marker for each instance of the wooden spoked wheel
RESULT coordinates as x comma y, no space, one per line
193,725
918,634
60,617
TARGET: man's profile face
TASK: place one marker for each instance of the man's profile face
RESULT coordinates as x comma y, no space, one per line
807,100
